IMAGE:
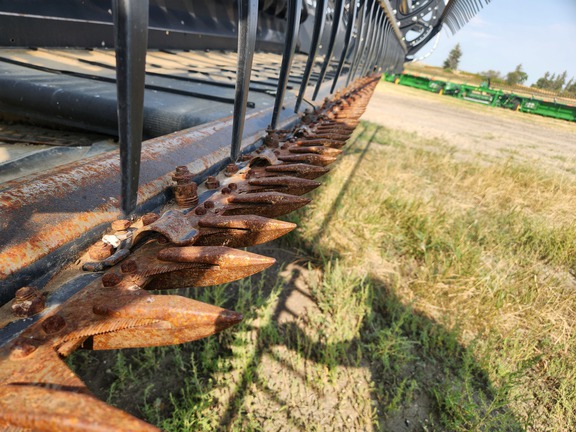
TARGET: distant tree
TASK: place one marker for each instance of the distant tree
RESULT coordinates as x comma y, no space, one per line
570,88
517,76
543,82
554,83
453,58
491,74
559,82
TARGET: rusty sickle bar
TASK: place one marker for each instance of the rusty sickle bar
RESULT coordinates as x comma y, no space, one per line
191,245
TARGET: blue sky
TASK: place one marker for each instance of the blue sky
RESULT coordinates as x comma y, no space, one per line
541,35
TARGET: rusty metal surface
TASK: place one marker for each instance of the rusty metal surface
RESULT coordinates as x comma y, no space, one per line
180,248
284,184
42,213
255,196
48,409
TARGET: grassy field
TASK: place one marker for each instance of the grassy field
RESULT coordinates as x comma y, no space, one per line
421,291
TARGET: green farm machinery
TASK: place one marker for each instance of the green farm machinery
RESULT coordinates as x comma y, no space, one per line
489,96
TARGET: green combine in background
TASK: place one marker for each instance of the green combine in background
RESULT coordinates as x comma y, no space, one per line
488,96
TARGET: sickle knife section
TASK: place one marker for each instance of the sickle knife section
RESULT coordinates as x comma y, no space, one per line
190,245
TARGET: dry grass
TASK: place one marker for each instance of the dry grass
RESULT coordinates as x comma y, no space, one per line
424,290
486,249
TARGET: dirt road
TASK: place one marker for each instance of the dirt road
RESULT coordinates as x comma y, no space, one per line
475,129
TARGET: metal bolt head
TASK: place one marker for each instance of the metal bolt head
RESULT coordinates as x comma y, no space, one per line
209,204
101,310
182,175
111,279
186,194
231,169
307,118
53,324
200,211
225,191
129,266
272,140
212,183
26,293
100,251
185,191
28,301
121,225
232,186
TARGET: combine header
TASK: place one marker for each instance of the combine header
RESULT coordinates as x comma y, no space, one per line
489,96
89,228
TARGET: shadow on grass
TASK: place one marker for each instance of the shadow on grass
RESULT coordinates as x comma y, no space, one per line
421,377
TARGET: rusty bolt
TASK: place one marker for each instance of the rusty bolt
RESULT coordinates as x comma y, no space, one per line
232,186
182,175
225,191
231,169
272,140
102,310
212,183
121,225
28,301
111,279
149,218
129,266
22,350
100,251
53,324
209,204
200,211
185,191
308,117
26,293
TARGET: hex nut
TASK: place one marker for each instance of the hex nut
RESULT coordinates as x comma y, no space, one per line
212,183
53,324
129,266
111,279
100,251
231,169
28,301
121,225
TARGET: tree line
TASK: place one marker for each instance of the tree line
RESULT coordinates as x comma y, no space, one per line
553,82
